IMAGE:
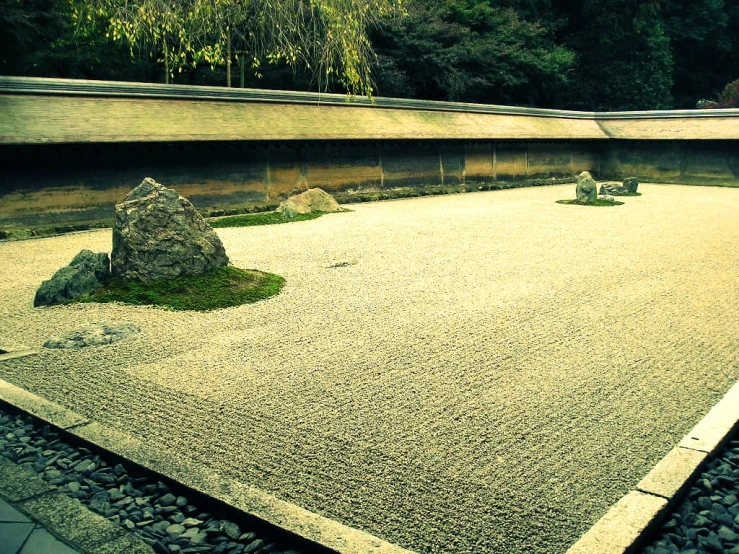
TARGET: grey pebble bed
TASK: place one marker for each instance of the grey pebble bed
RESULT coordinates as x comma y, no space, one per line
468,373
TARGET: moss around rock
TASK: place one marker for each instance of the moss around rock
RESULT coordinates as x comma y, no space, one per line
268,218
597,202
221,288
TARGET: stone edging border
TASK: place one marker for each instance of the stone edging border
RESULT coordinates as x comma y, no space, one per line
623,529
247,499
65,517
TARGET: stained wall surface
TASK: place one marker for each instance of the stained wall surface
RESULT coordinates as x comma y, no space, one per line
70,149
73,184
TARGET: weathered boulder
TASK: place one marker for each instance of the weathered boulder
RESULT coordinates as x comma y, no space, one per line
159,234
631,184
587,190
86,273
96,334
312,200
613,189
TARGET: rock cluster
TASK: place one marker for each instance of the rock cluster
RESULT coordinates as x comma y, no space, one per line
159,234
312,200
166,520
86,273
587,190
96,334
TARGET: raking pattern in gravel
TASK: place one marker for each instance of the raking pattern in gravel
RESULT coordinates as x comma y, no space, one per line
486,372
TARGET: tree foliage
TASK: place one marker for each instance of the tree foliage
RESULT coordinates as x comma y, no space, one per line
328,37
470,50
580,54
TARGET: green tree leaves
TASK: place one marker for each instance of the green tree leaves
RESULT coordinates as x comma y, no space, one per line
327,36
471,50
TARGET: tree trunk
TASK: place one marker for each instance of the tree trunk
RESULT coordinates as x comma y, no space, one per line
166,63
242,68
228,58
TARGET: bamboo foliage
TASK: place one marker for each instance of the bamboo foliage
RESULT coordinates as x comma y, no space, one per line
327,37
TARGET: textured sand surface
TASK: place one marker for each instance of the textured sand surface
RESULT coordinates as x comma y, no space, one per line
482,372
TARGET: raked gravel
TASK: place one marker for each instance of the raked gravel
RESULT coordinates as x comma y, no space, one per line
468,373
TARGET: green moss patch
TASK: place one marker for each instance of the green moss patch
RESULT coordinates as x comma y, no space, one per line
266,218
225,287
598,202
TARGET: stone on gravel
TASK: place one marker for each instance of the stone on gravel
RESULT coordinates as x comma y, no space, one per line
159,234
312,200
631,184
97,334
586,190
85,274
613,189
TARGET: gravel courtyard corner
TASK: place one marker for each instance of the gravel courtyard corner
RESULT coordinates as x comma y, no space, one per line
478,372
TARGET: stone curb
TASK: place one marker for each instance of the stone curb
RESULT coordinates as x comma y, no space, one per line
293,519
65,518
625,527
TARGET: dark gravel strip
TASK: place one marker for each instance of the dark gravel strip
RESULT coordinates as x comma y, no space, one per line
127,496
708,518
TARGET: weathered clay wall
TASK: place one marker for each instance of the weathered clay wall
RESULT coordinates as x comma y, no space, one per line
68,184
52,186
695,162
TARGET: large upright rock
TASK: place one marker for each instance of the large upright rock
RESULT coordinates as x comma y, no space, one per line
312,200
86,273
158,234
631,184
587,190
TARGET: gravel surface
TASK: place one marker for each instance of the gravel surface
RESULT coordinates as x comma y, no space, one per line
138,502
708,519
477,372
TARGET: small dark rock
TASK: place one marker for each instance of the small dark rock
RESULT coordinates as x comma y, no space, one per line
631,184
175,530
726,534
231,529
254,546
85,274
167,500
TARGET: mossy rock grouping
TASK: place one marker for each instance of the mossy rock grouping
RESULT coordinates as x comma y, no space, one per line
164,254
587,191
